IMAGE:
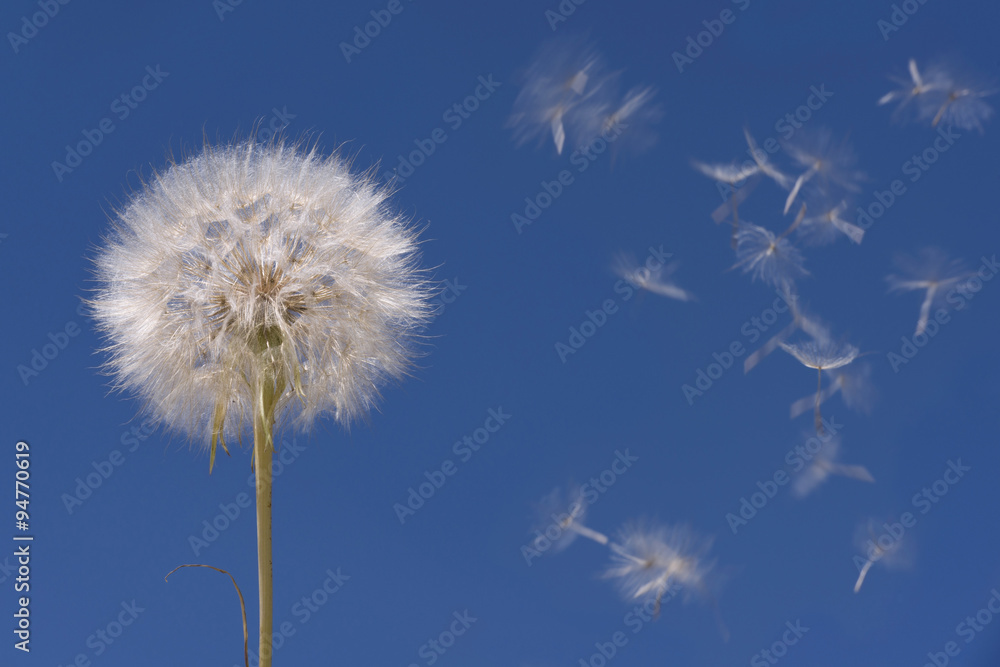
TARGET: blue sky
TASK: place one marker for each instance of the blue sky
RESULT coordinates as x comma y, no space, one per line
205,71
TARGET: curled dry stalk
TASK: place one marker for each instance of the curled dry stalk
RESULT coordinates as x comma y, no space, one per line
243,606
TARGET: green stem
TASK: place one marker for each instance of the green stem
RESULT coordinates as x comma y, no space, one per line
267,393
263,449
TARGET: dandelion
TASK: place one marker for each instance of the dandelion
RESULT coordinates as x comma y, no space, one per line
732,175
651,280
800,321
829,165
824,464
828,226
650,561
888,548
255,284
941,95
931,270
771,258
822,354
567,85
852,382
632,120
909,90
766,168
560,520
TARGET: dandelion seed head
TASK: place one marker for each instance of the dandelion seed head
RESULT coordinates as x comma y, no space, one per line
254,261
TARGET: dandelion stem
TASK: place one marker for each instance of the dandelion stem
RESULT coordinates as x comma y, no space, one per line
268,390
262,451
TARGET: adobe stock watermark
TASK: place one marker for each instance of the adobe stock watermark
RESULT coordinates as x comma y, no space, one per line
958,298
7,569
121,108
381,18
635,620
449,293
104,468
550,191
435,647
562,12
593,320
786,126
898,17
278,121
436,478
779,649
31,24
696,44
752,329
967,630
454,116
797,458
302,610
590,492
914,168
39,359
229,513
923,501
105,636
223,7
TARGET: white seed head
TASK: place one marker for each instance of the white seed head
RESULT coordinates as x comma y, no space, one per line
258,261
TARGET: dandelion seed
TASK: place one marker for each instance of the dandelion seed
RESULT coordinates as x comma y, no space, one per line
800,321
824,464
887,549
953,101
773,259
823,355
766,168
941,95
829,166
828,226
632,121
651,280
566,86
562,513
255,283
732,175
852,382
650,561
931,270
909,90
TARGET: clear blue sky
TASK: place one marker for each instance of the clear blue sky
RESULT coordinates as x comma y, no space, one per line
202,71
